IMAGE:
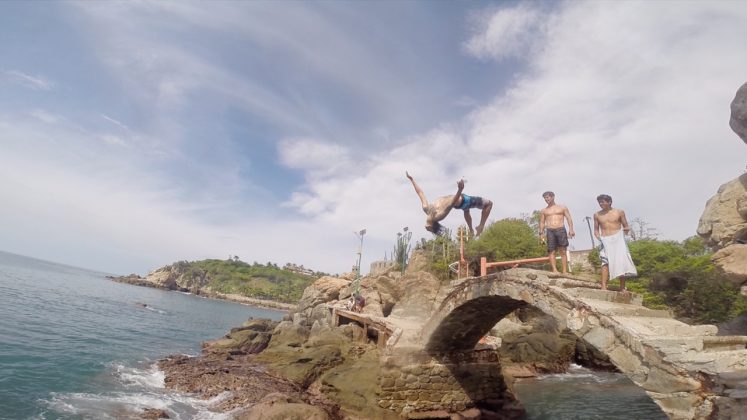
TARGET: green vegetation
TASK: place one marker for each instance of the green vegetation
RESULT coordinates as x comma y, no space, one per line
253,280
441,251
681,276
506,239
675,275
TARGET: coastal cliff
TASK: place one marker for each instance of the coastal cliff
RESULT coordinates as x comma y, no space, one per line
254,284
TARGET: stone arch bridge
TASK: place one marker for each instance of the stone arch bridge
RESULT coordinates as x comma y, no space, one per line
689,371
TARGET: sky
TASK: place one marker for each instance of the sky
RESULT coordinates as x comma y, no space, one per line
136,134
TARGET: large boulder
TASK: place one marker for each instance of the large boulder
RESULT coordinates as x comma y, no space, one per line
738,120
252,337
419,291
724,220
733,260
324,290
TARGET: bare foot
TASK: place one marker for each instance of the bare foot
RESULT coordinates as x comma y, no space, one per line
479,229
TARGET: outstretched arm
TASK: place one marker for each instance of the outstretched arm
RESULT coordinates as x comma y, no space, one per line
458,195
567,214
419,191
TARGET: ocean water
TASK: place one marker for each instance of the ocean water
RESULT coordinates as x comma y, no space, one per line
76,345
585,394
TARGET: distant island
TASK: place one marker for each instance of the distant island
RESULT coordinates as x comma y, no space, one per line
266,285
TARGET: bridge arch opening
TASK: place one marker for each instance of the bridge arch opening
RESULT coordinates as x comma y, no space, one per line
463,327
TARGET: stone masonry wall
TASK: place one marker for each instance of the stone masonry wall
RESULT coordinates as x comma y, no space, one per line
450,383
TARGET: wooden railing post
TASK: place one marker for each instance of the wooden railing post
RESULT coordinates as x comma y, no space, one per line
483,266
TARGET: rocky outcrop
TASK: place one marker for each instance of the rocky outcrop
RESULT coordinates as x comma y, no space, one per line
738,120
733,261
179,276
724,220
724,225
252,336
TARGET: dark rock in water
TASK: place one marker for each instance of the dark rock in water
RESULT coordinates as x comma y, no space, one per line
252,337
154,414
738,121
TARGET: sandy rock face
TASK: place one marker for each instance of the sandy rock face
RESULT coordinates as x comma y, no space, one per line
724,220
178,276
733,260
419,292
738,120
277,406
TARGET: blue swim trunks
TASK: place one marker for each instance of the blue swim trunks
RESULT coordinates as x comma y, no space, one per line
470,202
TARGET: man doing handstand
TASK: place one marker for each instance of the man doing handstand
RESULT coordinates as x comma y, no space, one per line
440,208
553,219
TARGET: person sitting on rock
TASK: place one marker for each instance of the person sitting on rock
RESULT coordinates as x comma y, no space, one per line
358,302
440,208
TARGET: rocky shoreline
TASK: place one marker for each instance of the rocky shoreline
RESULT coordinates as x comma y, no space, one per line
306,367
136,280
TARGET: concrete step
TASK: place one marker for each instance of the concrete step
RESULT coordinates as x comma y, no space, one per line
606,295
664,328
724,342
624,309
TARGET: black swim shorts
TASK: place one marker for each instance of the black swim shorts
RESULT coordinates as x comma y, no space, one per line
556,238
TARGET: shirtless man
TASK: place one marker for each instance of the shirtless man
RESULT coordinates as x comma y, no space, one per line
440,208
610,226
552,230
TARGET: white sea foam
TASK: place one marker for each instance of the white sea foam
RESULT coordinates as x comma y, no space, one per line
140,389
119,405
150,377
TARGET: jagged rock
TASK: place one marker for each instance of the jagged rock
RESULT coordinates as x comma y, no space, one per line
419,290
252,337
733,260
323,290
724,220
179,276
390,291
547,352
418,262
738,120
302,365
289,334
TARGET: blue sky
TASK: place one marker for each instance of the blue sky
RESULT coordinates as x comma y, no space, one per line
136,134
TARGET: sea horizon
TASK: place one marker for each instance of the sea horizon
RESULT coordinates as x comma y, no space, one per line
75,344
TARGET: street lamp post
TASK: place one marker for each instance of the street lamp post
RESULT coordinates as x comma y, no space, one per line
591,235
358,267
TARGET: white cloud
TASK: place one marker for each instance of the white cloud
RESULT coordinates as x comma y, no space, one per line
26,80
629,99
312,155
625,98
510,32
